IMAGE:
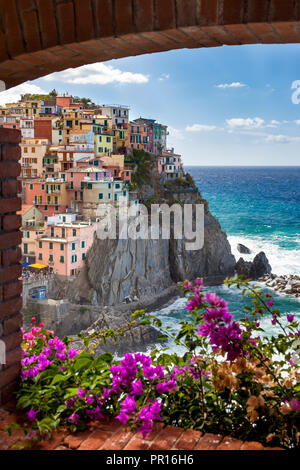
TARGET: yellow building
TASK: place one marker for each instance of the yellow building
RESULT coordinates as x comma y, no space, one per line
121,137
103,144
31,108
71,122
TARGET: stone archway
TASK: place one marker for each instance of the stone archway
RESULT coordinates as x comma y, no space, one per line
38,37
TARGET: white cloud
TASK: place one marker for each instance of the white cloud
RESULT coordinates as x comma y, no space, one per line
297,122
249,123
231,85
175,133
200,128
97,74
273,124
281,139
14,94
164,76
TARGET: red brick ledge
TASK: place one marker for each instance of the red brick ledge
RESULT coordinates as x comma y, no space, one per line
109,434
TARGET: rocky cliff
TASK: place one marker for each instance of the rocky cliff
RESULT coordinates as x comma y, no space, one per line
116,269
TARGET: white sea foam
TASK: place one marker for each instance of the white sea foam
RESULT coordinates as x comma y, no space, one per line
282,261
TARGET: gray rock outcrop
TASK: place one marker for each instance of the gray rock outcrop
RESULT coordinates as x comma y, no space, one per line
243,249
116,269
254,269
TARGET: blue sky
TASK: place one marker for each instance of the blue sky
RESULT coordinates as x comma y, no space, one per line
223,106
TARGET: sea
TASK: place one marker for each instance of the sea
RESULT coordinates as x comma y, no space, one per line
260,208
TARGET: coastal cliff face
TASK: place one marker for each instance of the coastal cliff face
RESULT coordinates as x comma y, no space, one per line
116,269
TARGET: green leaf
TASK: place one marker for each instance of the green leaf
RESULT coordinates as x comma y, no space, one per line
60,378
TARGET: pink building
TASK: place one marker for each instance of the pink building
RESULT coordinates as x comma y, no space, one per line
169,165
64,245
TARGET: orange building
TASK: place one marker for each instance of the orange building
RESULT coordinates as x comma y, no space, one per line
49,196
138,136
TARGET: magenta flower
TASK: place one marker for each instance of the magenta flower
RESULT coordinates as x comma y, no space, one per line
164,387
81,393
187,285
290,317
74,418
90,399
295,404
194,302
122,417
137,387
128,405
199,282
72,353
70,402
32,415
270,303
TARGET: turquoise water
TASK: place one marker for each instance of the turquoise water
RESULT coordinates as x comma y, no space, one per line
259,207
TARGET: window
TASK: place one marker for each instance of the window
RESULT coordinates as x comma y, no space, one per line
101,196
108,139
50,257
74,232
62,259
63,232
50,246
43,187
40,256
62,247
25,248
31,186
33,150
71,185
117,185
40,245
73,246
46,208
82,244
83,256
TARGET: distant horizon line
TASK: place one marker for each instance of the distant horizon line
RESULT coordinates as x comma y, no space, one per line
245,166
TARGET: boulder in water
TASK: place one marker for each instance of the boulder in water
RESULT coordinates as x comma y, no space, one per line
243,249
254,269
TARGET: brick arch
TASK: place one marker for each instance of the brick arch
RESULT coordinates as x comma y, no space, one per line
38,37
